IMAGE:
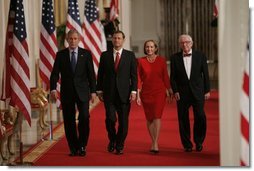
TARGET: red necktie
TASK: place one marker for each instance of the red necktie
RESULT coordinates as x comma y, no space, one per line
117,60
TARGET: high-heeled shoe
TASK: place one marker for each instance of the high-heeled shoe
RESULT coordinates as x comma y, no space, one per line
154,151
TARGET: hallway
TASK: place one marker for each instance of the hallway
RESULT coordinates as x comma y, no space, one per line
55,153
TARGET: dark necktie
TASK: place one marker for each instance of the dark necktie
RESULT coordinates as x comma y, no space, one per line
117,60
187,55
73,61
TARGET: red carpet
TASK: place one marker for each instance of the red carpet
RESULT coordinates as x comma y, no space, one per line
138,142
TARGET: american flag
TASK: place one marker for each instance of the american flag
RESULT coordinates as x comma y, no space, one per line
6,90
114,11
73,21
94,36
17,73
48,43
245,115
215,8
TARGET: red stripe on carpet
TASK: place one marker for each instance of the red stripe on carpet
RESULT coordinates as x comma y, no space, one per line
138,142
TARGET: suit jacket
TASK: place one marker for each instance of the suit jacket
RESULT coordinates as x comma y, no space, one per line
124,80
199,77
82,81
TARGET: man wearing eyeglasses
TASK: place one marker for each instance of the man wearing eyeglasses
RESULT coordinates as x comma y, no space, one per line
190,83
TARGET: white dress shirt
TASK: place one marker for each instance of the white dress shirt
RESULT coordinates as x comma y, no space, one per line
76,53
187,64
120,53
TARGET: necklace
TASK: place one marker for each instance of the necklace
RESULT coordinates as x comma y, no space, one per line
151,59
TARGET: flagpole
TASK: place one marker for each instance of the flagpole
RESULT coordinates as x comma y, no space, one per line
51,137
21,157
51,133
20,139
51,122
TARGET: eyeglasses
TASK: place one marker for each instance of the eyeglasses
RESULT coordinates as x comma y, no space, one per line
186,42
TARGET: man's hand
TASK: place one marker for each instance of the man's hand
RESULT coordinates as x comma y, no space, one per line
93,97
207,95
100,95
53,95
133,96
177,96
170,95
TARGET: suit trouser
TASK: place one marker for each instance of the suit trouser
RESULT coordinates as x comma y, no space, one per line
199,129
76,136
122,109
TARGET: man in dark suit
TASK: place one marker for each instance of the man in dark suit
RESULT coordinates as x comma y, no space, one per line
117,87
190,83
78,85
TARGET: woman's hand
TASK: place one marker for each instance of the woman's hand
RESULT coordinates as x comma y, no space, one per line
138,101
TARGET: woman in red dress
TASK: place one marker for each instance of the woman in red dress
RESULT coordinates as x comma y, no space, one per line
153,89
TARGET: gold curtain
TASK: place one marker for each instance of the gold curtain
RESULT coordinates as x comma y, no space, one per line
60,12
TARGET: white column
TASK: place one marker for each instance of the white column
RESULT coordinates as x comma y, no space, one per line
233,29
125,20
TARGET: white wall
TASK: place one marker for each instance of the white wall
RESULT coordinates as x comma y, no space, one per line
145,23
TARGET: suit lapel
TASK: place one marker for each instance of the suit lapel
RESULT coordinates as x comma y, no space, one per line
111,60
79,58
68,58
192,63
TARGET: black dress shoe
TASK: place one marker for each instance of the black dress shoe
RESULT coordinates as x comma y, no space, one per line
188,149
82,151
111,147
199,148
73,153
119,152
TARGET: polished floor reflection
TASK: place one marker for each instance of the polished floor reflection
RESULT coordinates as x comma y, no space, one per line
30,135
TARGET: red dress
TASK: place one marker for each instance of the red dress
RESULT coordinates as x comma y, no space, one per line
153,80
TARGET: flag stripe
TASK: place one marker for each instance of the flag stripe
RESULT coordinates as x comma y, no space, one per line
73,21
6,87
93,32
47,54
114,12
244,105
246,84
244,161
244,113
20,53
20,77
19,99
16,79
245,128
48,43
